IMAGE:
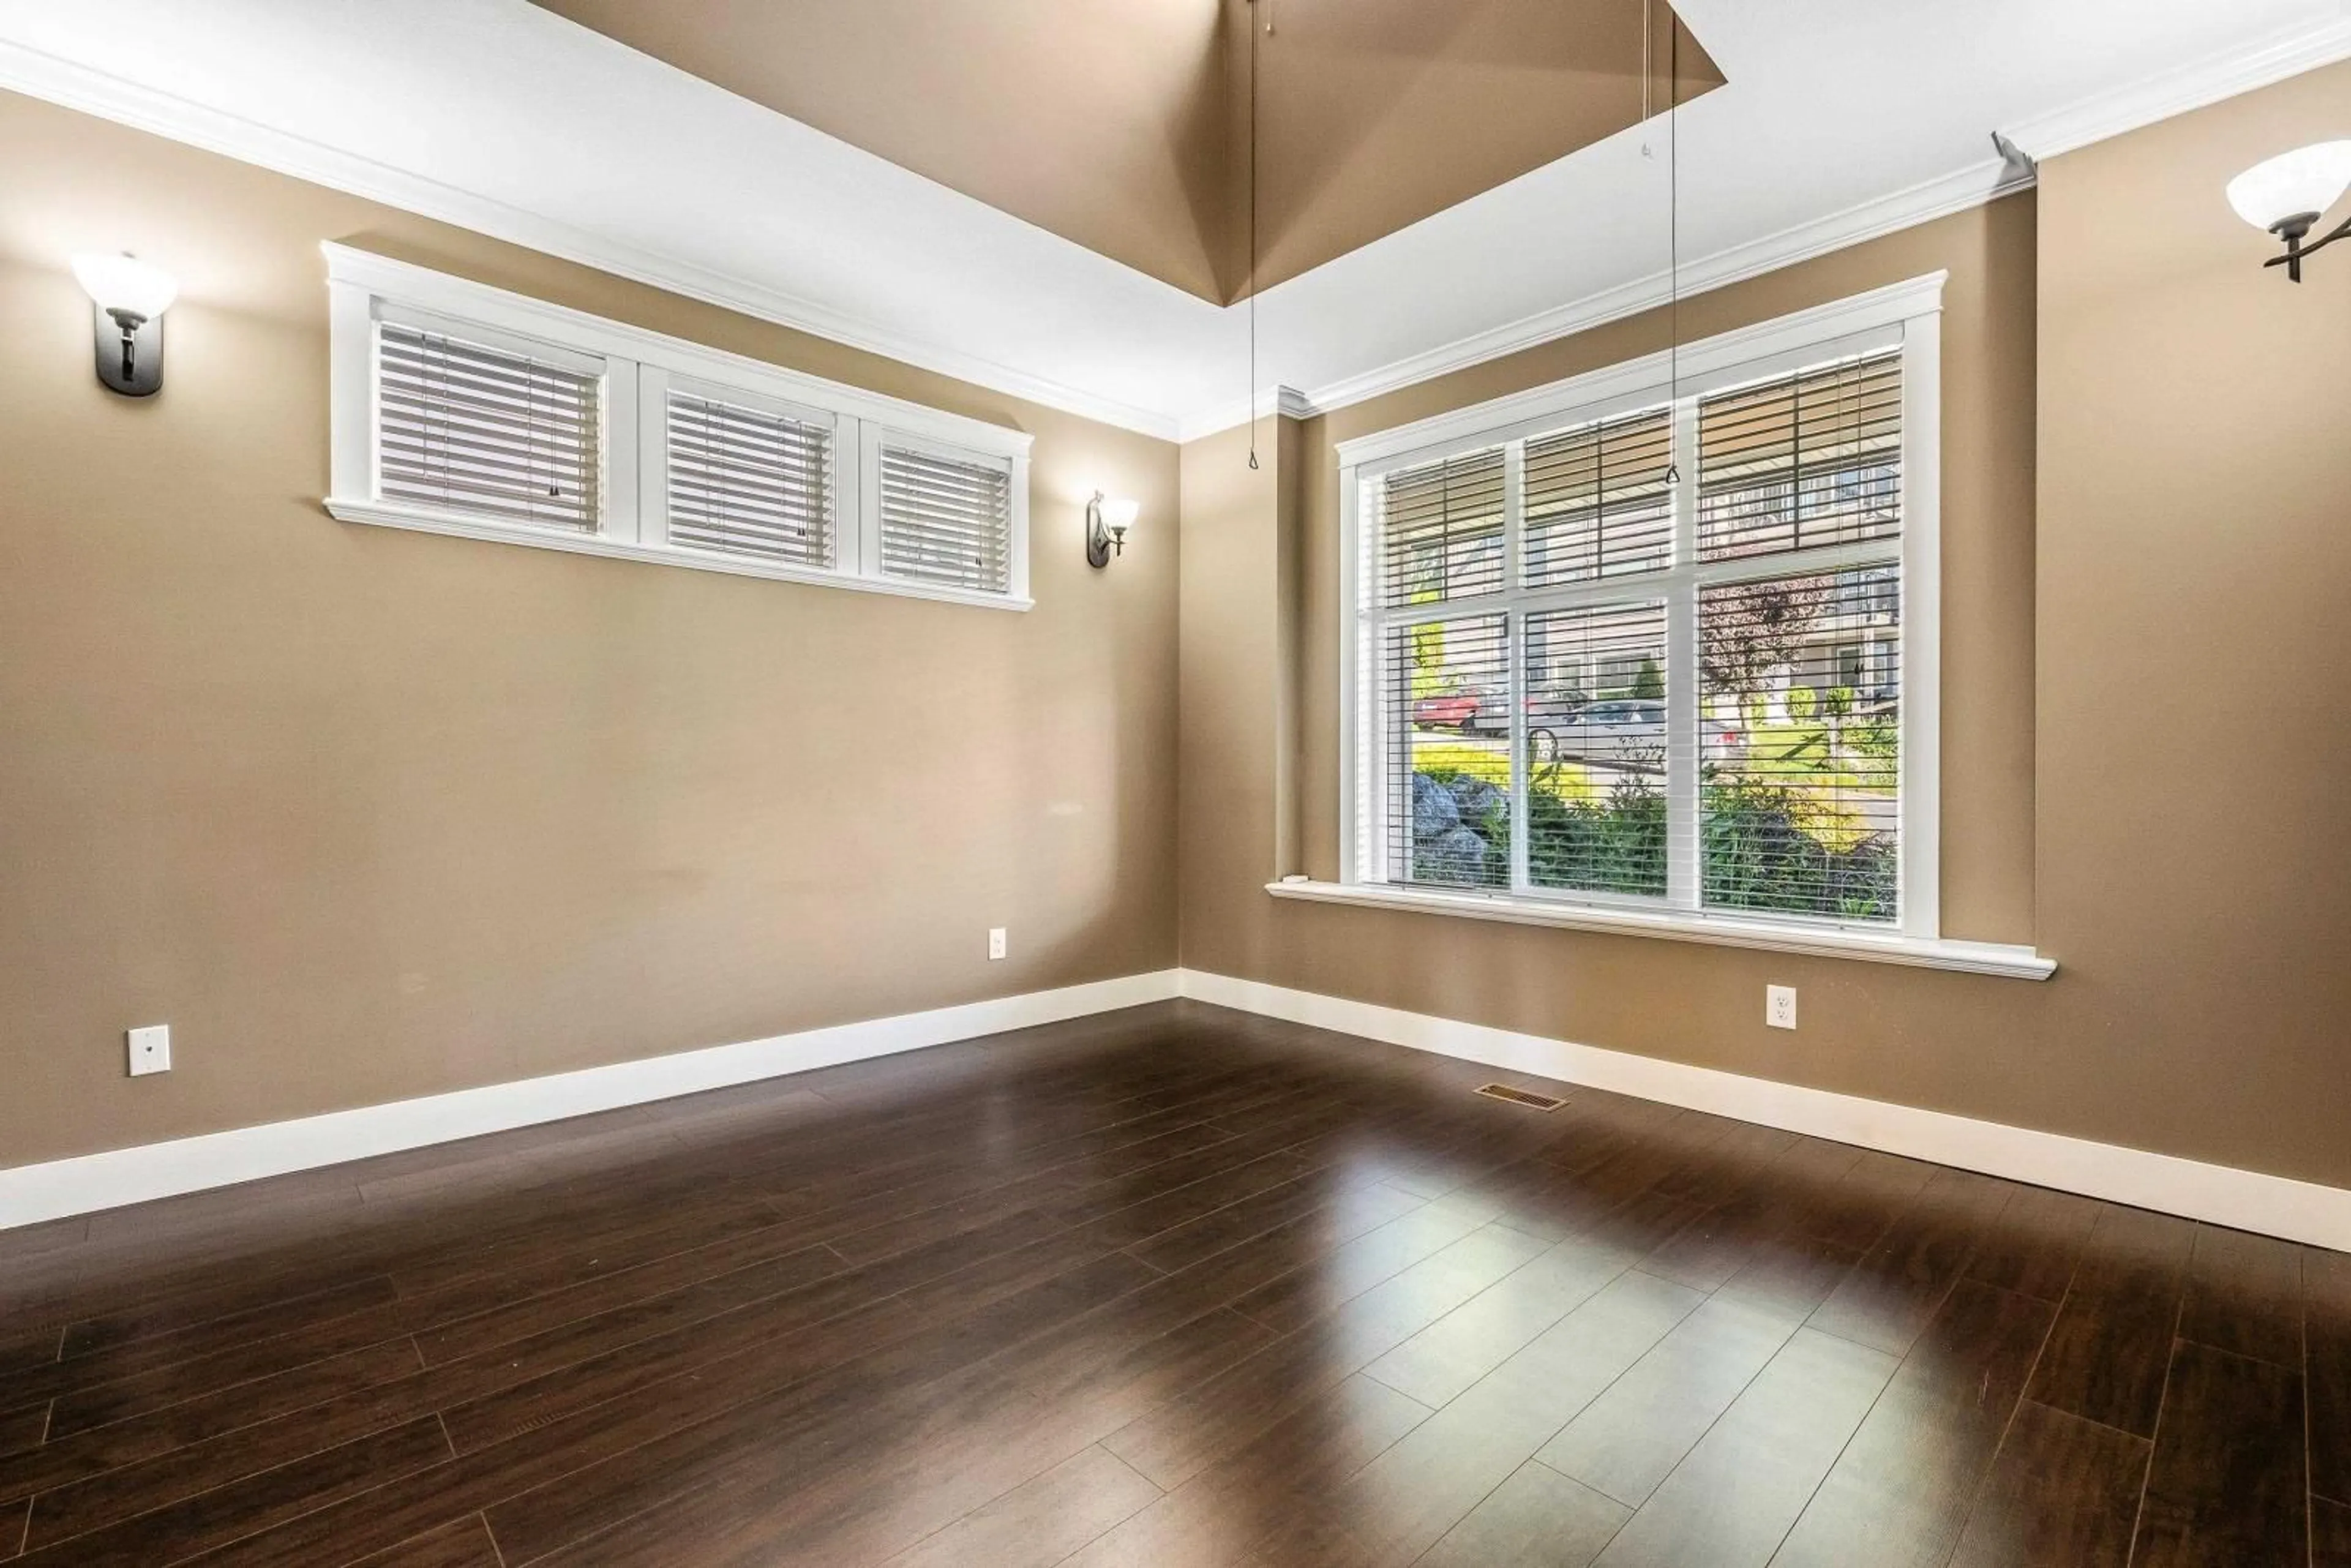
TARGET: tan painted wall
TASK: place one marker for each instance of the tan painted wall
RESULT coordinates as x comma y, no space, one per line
367,814
2145,801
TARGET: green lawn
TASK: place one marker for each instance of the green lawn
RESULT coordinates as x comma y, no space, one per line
1788,754
1491,760
1798,754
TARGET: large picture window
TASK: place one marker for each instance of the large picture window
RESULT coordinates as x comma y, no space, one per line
1655,648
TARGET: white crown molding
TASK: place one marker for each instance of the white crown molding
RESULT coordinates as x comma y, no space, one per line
30,1194
2223,1195
77,86
2174,92
1285,403
1954,192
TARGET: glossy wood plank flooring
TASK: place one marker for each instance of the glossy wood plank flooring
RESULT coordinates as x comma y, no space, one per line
1168,1287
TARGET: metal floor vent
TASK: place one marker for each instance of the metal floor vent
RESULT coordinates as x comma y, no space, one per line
1520,1097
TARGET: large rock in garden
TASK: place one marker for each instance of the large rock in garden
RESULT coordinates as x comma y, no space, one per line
1478,802
1457,856
1434,813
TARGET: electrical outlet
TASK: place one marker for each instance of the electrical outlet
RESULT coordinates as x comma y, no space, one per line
1779,1006
150,1050
995,943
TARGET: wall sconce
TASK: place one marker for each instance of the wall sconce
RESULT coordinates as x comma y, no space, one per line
130,299
2289,194
1107,520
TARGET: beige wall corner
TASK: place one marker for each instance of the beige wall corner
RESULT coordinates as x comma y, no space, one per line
367,814
2144,562
2195,561
1236,721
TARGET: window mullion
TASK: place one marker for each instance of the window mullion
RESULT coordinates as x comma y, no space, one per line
1514,491
653,456
1682,694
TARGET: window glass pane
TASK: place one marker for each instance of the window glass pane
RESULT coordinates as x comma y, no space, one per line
946,520
1448,719
485,431
1598,503
1441,529
1596,748
1800,696
1804,461
746,481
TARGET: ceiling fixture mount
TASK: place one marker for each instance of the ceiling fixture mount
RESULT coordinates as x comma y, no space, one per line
2288,194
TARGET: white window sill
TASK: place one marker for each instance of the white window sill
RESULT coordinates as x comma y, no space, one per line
425,519
1825,941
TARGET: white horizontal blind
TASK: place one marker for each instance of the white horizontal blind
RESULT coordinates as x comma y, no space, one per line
1597,500
746,481
486,431
1802,461
946,520
1440,529
1689,693
1803,692
1596,690
1449,684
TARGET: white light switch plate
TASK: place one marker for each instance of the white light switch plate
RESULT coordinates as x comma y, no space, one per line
150,1050
1779,1006
994,942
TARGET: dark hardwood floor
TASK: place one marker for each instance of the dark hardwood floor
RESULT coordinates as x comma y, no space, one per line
1172,1286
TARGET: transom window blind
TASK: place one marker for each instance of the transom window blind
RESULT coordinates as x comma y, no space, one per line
1597,501
1655,658
1805,460
1441,529
746,481
458,408
486,430
946,520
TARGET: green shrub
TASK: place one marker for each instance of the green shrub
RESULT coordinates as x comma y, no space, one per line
1764,845
1878,738
1649,682
1612,844
1802,704
1756,853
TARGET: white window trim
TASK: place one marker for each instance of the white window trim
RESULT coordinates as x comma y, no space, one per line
1907,316
639,366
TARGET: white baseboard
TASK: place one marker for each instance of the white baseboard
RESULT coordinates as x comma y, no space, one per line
2245,1200
29,1194
2242,1199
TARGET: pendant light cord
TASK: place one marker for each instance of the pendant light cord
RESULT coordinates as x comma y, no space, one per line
1252,221
1674,225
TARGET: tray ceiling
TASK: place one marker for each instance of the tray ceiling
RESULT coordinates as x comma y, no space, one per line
1124,125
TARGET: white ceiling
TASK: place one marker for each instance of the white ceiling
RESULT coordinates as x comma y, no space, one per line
1841,118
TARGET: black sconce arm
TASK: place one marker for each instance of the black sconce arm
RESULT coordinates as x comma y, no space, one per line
2293,231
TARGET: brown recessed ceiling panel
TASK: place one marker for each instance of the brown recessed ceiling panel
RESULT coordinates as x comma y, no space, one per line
1122,124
